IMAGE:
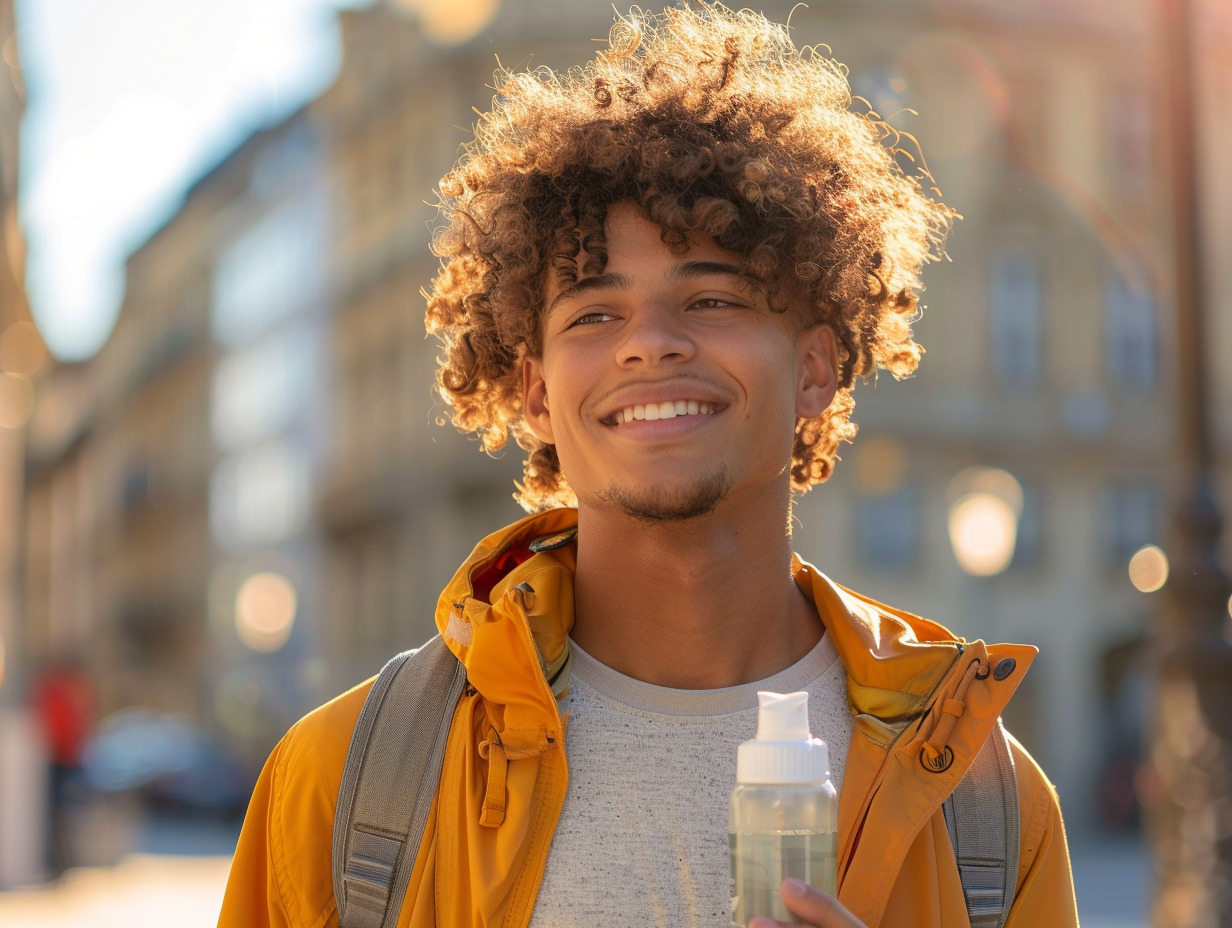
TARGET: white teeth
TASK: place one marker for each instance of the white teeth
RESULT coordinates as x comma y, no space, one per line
670,409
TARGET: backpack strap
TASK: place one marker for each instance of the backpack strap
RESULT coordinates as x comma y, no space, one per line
982,818
399,740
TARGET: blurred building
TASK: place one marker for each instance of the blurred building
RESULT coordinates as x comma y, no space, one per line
195,450
23,365
21,350
258,506
1048,353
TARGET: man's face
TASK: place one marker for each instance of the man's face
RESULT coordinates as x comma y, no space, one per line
666,383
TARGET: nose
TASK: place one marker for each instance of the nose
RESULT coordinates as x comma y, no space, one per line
655,336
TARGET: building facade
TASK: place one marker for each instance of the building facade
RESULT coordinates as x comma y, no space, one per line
1048,352
264,506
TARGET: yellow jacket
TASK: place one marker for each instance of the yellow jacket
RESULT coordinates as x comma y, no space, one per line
913,687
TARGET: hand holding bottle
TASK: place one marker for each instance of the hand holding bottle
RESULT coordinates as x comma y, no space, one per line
821,910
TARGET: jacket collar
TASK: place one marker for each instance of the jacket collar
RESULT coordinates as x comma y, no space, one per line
508,611
506,616
894,660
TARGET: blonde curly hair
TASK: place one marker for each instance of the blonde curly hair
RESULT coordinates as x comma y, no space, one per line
714,124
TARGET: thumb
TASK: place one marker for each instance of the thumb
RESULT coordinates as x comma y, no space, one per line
815,907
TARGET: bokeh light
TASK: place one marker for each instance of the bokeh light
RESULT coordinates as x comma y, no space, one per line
265,606
1148,569
985,505
983,532
452,22
16,400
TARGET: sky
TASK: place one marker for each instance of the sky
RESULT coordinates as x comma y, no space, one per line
128,102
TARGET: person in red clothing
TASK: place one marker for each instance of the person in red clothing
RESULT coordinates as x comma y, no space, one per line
64,701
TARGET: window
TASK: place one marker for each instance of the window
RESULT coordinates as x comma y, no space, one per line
1130,334
270,272
888,529
1015,321
258,391
260,496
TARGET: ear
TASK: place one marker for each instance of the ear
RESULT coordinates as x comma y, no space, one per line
816,371
535,400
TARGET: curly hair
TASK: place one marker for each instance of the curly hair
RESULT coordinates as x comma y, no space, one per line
713,124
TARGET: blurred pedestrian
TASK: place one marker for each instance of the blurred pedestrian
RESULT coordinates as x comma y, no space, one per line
63,698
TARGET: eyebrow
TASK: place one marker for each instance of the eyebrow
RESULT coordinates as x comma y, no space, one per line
692,269
689,270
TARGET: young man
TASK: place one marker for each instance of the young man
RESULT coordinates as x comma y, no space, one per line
662,275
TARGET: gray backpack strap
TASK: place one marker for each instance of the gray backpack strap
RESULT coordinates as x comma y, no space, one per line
399,741
982,817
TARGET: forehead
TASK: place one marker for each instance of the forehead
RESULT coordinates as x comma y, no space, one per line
631,236
633,252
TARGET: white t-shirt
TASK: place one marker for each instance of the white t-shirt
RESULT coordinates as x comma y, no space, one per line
642,838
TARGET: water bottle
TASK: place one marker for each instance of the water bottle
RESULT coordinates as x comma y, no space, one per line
783,817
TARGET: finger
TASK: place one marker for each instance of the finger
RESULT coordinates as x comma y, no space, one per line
816,908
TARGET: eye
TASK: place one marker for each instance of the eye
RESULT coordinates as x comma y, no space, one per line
591,318
716,302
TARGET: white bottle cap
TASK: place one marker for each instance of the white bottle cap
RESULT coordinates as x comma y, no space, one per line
784,751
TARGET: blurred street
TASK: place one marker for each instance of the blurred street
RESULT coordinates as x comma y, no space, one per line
181,867
145,889
178,871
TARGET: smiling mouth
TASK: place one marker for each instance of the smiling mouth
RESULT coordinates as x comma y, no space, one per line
651,412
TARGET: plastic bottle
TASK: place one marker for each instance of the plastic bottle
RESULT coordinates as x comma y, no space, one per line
783,817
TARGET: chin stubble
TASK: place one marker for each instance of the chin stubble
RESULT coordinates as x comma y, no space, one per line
659,505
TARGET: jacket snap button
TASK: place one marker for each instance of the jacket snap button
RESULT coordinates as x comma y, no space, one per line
1004,668
939,764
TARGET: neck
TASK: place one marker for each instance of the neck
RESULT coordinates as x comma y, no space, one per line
701,603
